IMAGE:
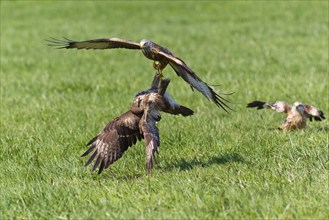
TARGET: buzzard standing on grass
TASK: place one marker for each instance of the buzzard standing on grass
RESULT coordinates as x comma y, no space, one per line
160,55
136,124
296,115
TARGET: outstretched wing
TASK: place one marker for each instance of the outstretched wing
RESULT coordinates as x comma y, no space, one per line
191,78
312,112
119,134
278,106
101,43
151,133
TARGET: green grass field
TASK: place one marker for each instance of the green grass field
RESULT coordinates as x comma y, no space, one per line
212,165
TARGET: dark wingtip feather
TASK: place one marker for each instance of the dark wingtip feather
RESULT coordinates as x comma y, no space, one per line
89,150
317,118
60,44
321,114
219,101
101,167
320,117
98,160
91,158
254,104
92,140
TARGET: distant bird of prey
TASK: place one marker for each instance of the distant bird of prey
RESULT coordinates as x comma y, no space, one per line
296,115
139,122
160,55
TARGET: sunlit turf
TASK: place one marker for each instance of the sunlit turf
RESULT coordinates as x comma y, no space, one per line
211,165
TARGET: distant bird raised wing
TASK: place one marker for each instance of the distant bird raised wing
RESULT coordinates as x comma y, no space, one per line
160,55
295,115
278,106
312,112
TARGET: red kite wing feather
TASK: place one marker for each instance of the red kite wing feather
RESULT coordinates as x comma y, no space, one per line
101,43
191,78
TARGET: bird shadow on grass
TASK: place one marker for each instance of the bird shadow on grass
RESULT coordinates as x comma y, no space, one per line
184,164
114,174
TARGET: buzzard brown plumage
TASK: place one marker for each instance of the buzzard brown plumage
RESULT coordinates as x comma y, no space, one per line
136,124
295,116
160,55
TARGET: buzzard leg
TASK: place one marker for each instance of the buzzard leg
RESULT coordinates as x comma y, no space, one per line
159,74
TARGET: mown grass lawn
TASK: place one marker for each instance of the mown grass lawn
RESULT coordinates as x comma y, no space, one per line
212,165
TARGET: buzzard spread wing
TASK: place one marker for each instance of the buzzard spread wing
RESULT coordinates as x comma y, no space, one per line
191,78
312,112
119,134
101,43
136,124
151,133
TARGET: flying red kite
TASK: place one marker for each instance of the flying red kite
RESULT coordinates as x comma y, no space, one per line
160,55
296,115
